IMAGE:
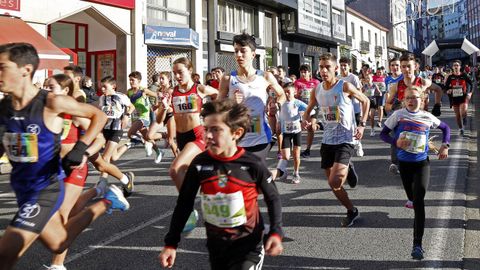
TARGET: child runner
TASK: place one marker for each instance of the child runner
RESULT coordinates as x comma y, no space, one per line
371,90
290,119
229,179
379,80
411,128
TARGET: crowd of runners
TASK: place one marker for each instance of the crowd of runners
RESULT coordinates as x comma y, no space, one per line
220,134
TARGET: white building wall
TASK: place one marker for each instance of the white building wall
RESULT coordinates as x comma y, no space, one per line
139,59
355,50
398,34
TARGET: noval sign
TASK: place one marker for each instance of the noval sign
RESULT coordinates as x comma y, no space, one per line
175,36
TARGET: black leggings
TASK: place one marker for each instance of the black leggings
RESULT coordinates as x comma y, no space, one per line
415,177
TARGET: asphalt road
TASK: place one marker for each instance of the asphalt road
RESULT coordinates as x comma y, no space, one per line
381,239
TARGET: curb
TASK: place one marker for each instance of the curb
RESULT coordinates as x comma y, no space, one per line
472,191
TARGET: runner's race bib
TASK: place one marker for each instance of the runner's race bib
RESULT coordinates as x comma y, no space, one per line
224,210
113,112
67,124
418,142
292,127
457,92
305,94
21,147
186,104
331,114
255,125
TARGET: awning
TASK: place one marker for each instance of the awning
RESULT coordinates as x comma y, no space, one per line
16,30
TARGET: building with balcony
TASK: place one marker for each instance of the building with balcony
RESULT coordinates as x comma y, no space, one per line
368,41
390,14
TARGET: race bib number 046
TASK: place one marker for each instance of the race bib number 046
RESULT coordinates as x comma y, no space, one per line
224,210
21,147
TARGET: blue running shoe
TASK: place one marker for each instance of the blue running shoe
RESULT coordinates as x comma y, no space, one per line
118,201
191,222
417,252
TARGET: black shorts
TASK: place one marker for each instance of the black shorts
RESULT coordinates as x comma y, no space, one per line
113,135
457,101
291,138
36,209
260,150
244,253
373,103
336,153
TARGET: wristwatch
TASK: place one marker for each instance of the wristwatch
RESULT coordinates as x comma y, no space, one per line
362,123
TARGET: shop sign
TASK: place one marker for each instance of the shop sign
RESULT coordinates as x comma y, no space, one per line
315,49
128,4
10,4
174,36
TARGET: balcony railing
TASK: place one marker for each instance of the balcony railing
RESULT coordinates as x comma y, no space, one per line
378,51
364,47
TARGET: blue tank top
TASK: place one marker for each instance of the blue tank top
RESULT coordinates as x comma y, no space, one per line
33,150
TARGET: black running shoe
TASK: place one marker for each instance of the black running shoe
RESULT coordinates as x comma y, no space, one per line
417,252
128,188
306,153
352,176
351,217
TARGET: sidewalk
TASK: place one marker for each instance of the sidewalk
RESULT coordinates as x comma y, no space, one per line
472,213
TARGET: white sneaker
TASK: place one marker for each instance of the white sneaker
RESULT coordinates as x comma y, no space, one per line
55,267
372,132
149,148
409,204
159,156
393,169
296,179
360,152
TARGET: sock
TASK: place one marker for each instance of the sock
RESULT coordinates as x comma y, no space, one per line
282,165
296,173
124,179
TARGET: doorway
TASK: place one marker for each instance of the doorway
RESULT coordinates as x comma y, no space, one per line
293,64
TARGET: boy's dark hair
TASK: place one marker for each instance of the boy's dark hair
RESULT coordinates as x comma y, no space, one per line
76,70
305,67
457,61
393,60
281,67
289,85
234,115
109,79
21,54
407,57
245,39
328,57
219,68
155,77
136,74
345,60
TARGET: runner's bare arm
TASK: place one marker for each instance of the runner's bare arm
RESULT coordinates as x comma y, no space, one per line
426,83
206,90
390,96
272,81
311,104
354,93
149,92
66,104
223,89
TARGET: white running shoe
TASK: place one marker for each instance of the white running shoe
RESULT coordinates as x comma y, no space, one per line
159,156
55,267
372,132
360,152
149,148
393,169
409,204
296,179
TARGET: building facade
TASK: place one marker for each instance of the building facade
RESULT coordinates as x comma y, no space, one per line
473,19
97,35
390,14
366,41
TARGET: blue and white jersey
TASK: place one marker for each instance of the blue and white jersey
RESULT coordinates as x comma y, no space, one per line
336,110
255,98
415,127
390,80
290,116
33,150
114,107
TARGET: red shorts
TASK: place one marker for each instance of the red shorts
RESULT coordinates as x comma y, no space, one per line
78,176
195,135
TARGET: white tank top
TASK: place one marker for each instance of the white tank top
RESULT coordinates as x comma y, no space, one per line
255,98
337,113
